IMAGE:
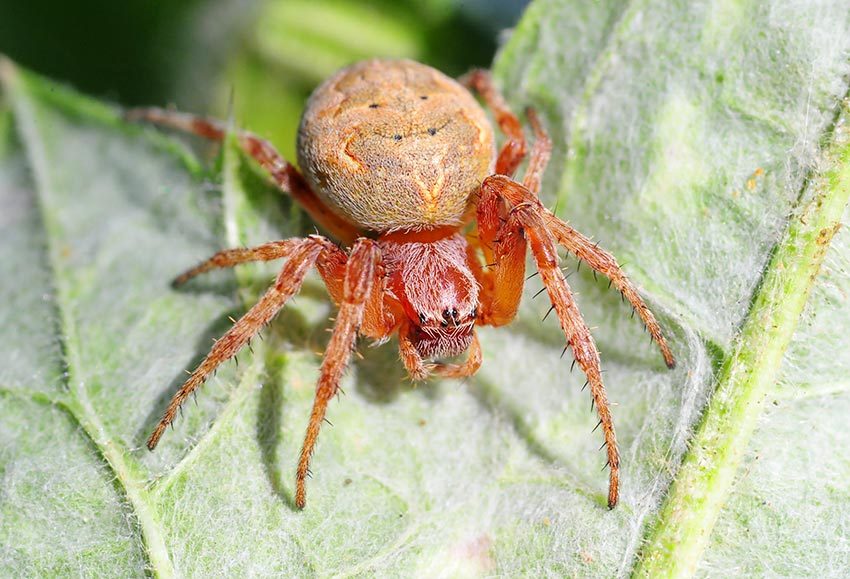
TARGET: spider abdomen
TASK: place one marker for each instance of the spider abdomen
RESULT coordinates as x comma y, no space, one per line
395,145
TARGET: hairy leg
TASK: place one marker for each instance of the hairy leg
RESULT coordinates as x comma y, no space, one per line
503,278
541,151
416,367
232,257
285,175
603,262
513,151
502,241
301,258
360,277
469,367
578,335
420,370
527,212
579,245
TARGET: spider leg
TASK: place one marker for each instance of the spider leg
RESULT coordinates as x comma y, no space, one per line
419,370
583,248
302,256
527,211
541,151
231,257
469,367
360,277
603,262
501,240
285,175
513,151
578,336
504,245
413,362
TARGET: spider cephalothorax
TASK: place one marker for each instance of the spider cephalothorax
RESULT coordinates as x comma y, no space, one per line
400,151
436,289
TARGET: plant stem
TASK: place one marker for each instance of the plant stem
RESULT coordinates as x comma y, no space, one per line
683,528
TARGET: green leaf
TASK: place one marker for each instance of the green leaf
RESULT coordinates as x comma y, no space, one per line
705,139
700,143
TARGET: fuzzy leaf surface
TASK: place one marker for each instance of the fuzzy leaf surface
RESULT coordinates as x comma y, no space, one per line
685,134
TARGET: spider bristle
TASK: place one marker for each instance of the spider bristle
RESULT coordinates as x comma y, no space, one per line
607,464
583,388
610,281
532,275
603,445
548,312
325,419
232,321
564,351
543,289
595,428
573,365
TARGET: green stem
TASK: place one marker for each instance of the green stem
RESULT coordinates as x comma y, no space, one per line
677,541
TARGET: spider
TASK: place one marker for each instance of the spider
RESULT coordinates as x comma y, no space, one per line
398,161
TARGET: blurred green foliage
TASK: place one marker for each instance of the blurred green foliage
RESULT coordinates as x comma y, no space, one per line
295,44
269,54
124,50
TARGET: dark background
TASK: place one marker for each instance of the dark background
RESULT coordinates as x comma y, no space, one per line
140,51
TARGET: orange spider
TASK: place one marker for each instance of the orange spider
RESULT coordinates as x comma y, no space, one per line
397,150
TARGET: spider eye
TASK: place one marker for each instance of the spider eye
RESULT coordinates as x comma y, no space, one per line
454,314
422,318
